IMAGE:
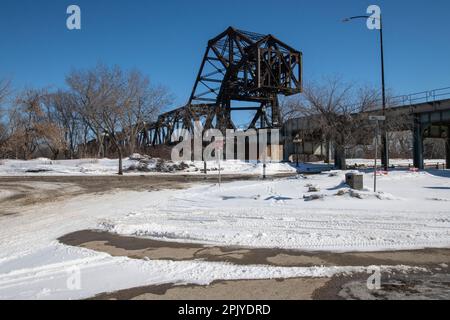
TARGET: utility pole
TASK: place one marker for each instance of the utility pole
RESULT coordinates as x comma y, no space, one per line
377,120
219,149
265,162
384,138
297,141
376,159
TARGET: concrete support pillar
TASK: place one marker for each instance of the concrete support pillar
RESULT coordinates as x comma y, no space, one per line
418,145
339,158
447,148
384,148
328,151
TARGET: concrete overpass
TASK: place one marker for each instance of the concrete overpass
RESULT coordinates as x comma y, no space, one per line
431,120
429,112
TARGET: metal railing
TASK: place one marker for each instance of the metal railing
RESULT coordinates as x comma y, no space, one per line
405,100
419,97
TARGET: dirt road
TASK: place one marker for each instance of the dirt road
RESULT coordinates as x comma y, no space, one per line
18,192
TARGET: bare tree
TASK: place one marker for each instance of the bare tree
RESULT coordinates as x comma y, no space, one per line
98,91
5,90
116,105
434,148
90,92
291,108
105,107
5,86
331,106
140,104
3,139
61,109
335,107
31,128
23,117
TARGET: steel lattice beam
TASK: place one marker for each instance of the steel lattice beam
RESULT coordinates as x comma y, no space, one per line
237,66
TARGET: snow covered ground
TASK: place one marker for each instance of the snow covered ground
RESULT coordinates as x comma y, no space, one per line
81,167
33,265
394,162
44,166
411,212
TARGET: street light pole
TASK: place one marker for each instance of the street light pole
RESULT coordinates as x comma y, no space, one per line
384,140
377,120
375,168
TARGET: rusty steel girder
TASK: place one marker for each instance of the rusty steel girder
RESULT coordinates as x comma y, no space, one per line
237,66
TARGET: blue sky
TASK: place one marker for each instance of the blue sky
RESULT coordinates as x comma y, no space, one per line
166,39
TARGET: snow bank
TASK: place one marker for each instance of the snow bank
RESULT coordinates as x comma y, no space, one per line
136,164
139,164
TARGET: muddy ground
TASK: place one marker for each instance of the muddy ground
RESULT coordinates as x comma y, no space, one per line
434,283
139,248
18,192
416,286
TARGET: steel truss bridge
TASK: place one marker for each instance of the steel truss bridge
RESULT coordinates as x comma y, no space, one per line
238,66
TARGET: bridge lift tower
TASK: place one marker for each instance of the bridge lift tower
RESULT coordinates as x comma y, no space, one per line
238,66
